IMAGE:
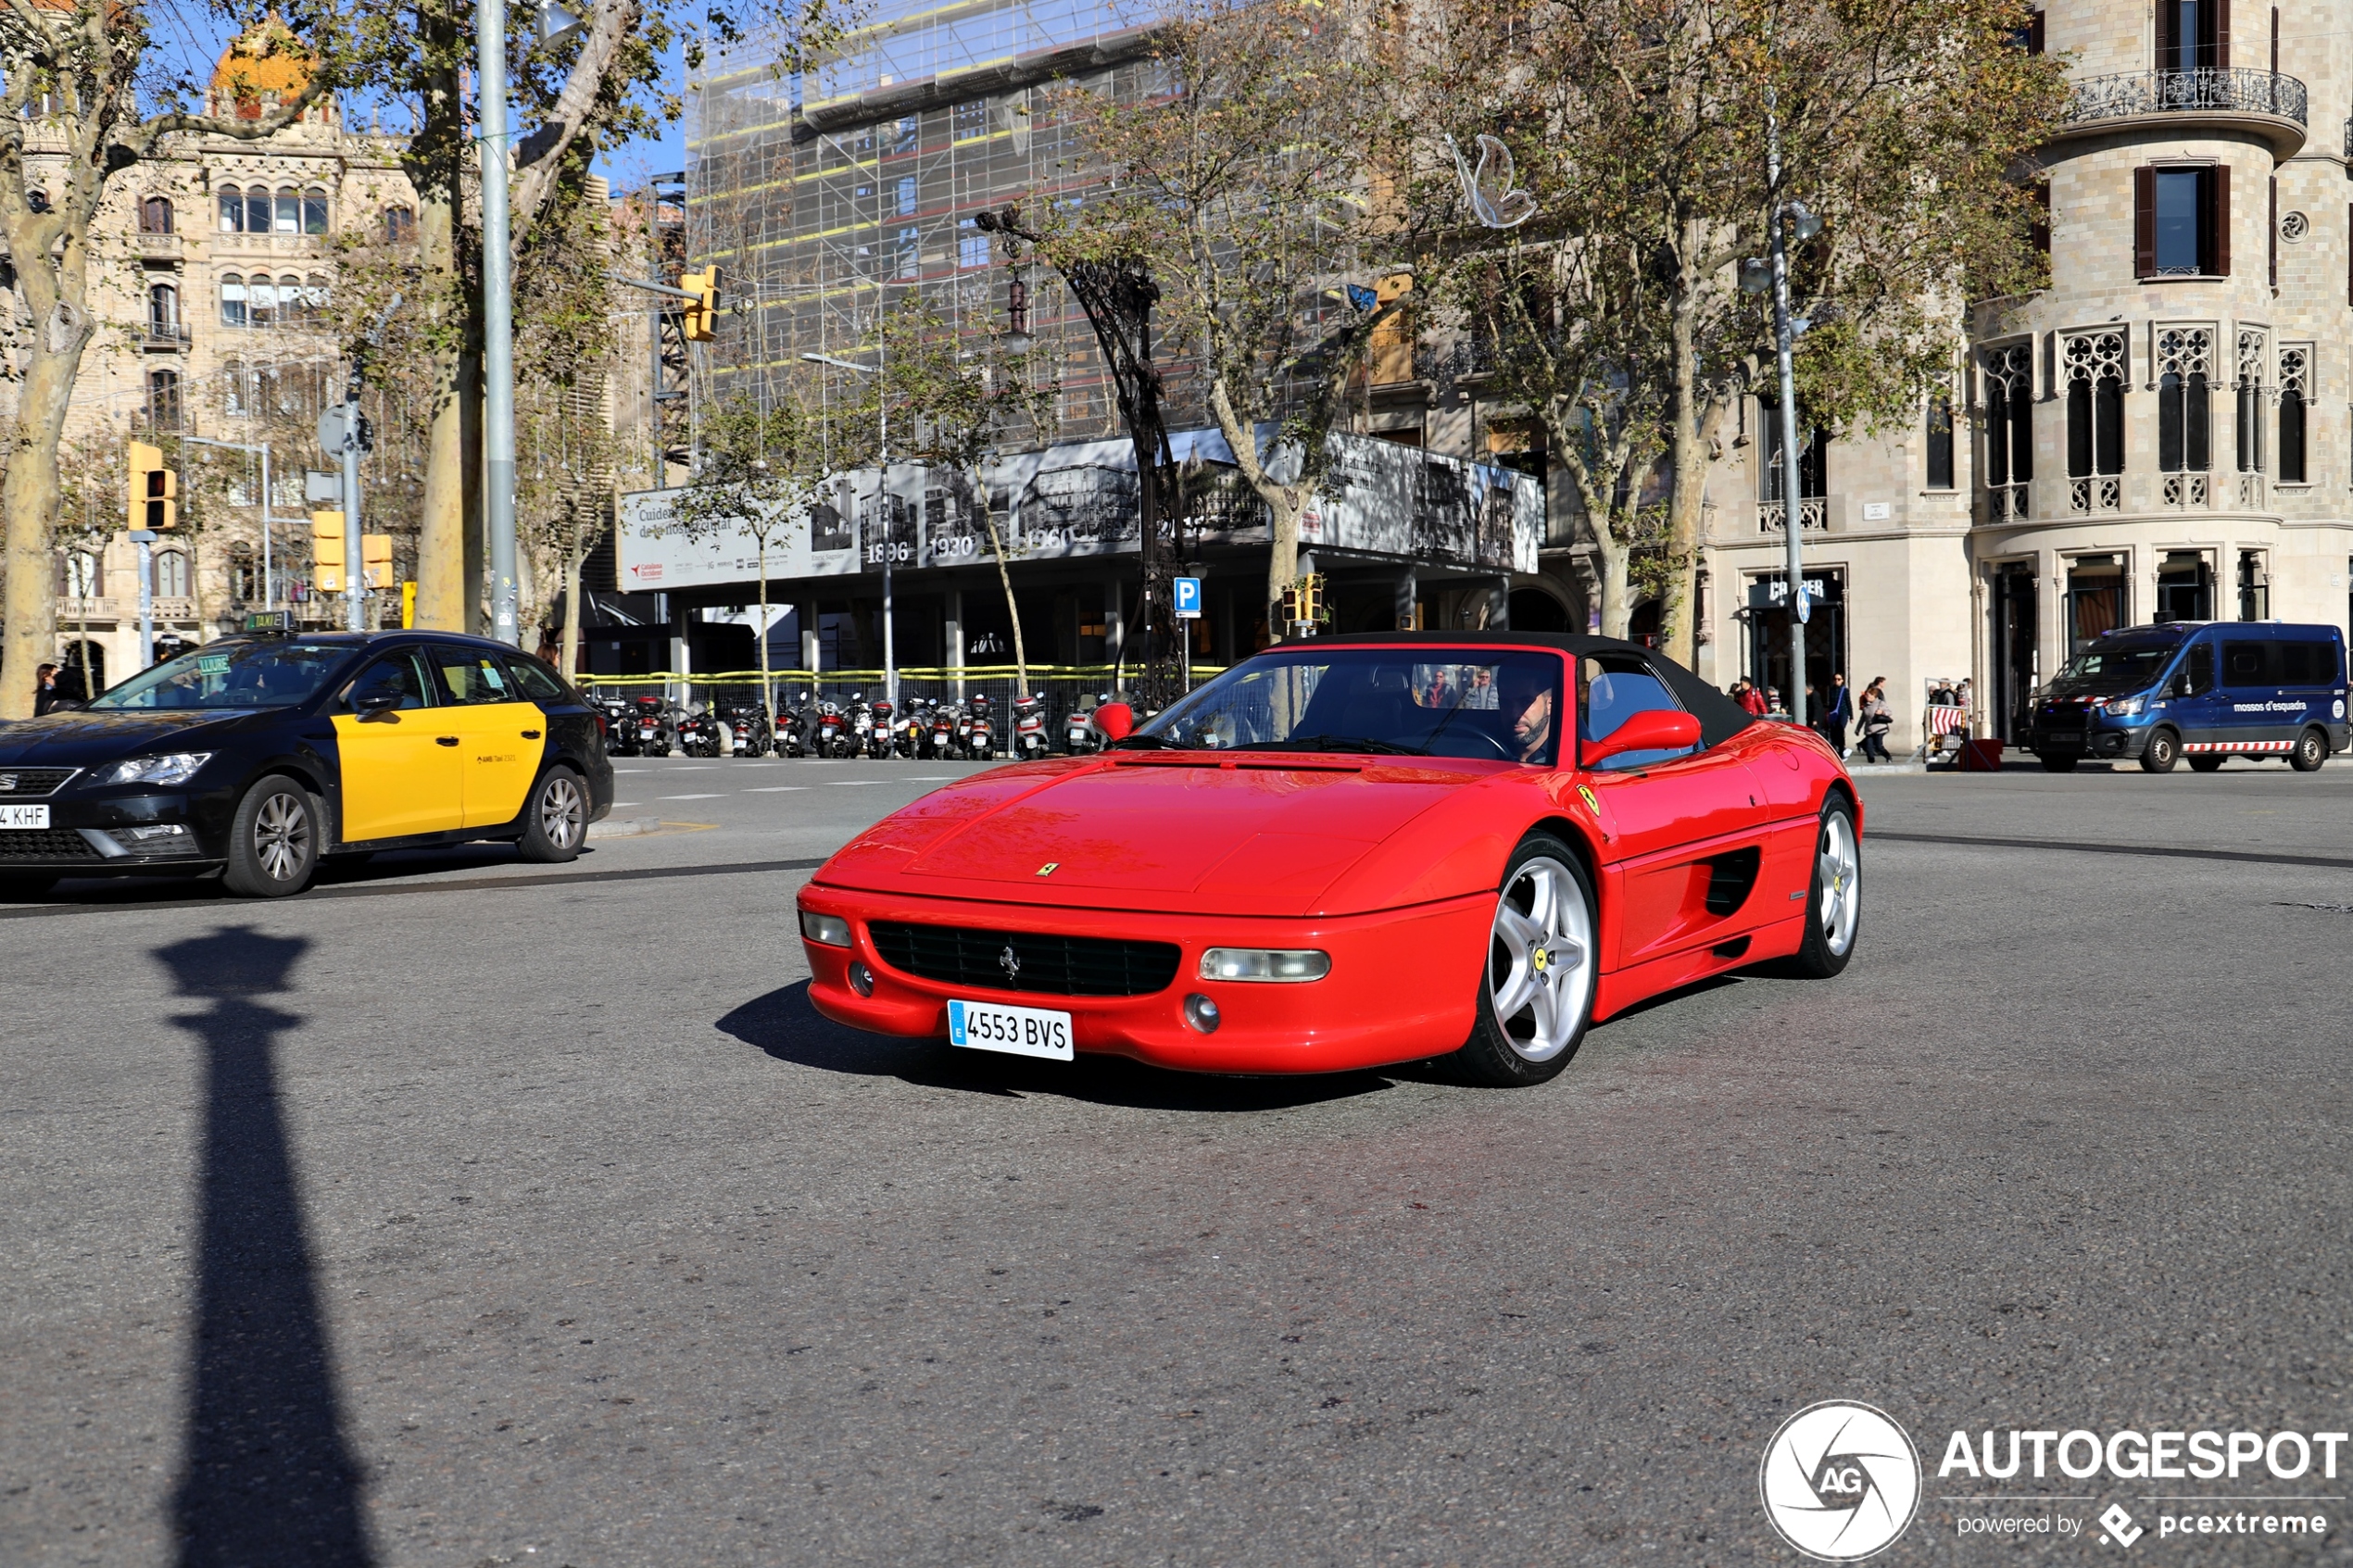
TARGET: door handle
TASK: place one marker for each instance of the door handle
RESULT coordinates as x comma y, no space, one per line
530,735
445,740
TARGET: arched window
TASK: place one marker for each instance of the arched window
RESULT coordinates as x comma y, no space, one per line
291,299
261,302
314,297
399,223
289,211
163,399
233,211
233,301
154,215
234,397
163,311
244,574
258,210
172,575
314,211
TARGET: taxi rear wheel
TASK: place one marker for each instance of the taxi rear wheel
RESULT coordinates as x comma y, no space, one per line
273,840
556,823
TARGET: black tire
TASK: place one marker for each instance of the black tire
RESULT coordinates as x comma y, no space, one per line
273,840
1545,905
2311,750
2204,763
554,821
2163,750
2057,764
1832,927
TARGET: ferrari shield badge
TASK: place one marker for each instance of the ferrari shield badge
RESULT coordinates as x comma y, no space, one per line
1590,804
1048,868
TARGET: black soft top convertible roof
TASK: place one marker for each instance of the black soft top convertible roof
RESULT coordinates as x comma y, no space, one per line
1719,717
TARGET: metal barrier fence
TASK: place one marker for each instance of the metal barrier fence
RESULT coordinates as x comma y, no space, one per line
1066,688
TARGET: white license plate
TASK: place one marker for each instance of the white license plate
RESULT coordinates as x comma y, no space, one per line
24,816
986,1026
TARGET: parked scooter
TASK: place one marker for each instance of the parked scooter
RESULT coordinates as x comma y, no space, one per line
698,731
980,736
1078,731
792,728
1029,728
831,735
940,741
744,728
620,735
878,729
907,736
654,727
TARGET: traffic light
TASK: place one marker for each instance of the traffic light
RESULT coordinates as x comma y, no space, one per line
1303,602
154,490
702,311
375,560
326,551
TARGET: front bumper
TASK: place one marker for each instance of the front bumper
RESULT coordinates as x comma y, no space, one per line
1402,986
113,835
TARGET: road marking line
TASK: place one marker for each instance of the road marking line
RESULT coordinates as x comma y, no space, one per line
690,797
774,789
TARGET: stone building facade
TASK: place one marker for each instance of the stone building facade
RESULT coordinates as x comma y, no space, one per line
2162,433
215,261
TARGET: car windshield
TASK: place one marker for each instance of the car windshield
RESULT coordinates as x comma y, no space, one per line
260,674
2112,666
1419,702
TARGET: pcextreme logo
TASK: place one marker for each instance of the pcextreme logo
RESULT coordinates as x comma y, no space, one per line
1840,1481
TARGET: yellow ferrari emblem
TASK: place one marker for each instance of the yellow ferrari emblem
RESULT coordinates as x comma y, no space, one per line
1540,960
1048,868
1590,804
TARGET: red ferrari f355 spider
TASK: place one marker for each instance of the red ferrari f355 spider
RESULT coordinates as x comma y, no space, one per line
1350,852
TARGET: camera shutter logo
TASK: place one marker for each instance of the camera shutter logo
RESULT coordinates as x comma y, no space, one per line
1840,1481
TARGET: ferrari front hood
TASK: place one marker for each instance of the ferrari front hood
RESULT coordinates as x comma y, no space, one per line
1244,834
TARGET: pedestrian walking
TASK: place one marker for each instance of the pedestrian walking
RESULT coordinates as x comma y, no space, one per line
1878,719
1838,712
1752,699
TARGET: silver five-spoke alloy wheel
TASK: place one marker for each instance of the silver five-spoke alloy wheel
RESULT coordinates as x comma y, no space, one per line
563,813
282,837
1540,967
1838,872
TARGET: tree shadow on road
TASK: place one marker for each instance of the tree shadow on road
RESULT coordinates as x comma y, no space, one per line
269,1477
785,1024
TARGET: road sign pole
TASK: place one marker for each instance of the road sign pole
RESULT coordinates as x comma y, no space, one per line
146,541
497,325
355,588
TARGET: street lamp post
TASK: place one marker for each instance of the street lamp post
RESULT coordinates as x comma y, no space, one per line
882,506
1790,217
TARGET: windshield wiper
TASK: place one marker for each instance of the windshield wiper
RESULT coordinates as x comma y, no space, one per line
1150,743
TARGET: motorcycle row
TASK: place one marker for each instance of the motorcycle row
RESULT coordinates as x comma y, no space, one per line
922,729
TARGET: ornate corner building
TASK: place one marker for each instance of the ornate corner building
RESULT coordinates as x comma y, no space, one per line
2161,435
216,260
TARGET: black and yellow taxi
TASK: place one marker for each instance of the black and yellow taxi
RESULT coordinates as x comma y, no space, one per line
258,754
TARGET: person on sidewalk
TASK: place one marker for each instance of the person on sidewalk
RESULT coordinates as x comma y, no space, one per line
1878,719
1838,712
1752,699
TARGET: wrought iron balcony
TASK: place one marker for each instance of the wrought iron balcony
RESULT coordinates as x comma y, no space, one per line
2186,91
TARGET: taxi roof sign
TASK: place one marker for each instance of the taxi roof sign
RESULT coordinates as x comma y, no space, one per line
270,620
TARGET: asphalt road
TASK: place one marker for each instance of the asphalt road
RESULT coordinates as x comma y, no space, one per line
465,1212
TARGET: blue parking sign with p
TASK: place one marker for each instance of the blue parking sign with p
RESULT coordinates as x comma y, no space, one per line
1188,597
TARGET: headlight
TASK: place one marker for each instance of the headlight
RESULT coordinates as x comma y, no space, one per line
831,930
1265,963
172,768
2122,707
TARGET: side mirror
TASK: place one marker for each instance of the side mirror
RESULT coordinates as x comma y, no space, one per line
1116,720
375,705
1654,729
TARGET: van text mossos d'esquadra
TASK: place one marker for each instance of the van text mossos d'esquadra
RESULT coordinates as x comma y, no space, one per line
2133,1456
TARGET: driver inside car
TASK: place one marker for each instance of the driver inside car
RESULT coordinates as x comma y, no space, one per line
1527,697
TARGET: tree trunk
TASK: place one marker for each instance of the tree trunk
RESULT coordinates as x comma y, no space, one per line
571,607
767,687
29,505
436,166
1285,503
1005,578
1617,614
1688,459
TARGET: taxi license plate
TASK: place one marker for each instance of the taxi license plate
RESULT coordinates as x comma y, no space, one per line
24,816
986,1026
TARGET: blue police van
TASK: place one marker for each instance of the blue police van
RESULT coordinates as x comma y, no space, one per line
2205,691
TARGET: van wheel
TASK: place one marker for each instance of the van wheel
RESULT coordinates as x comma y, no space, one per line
2164,750
2311,750
556,822
273,840
2206,764
2057,764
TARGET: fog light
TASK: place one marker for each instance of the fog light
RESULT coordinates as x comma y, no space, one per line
1264,964
1201,1013
831,930
861,979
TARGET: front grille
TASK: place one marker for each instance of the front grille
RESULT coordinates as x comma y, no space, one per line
45,844
23,784
1070,966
